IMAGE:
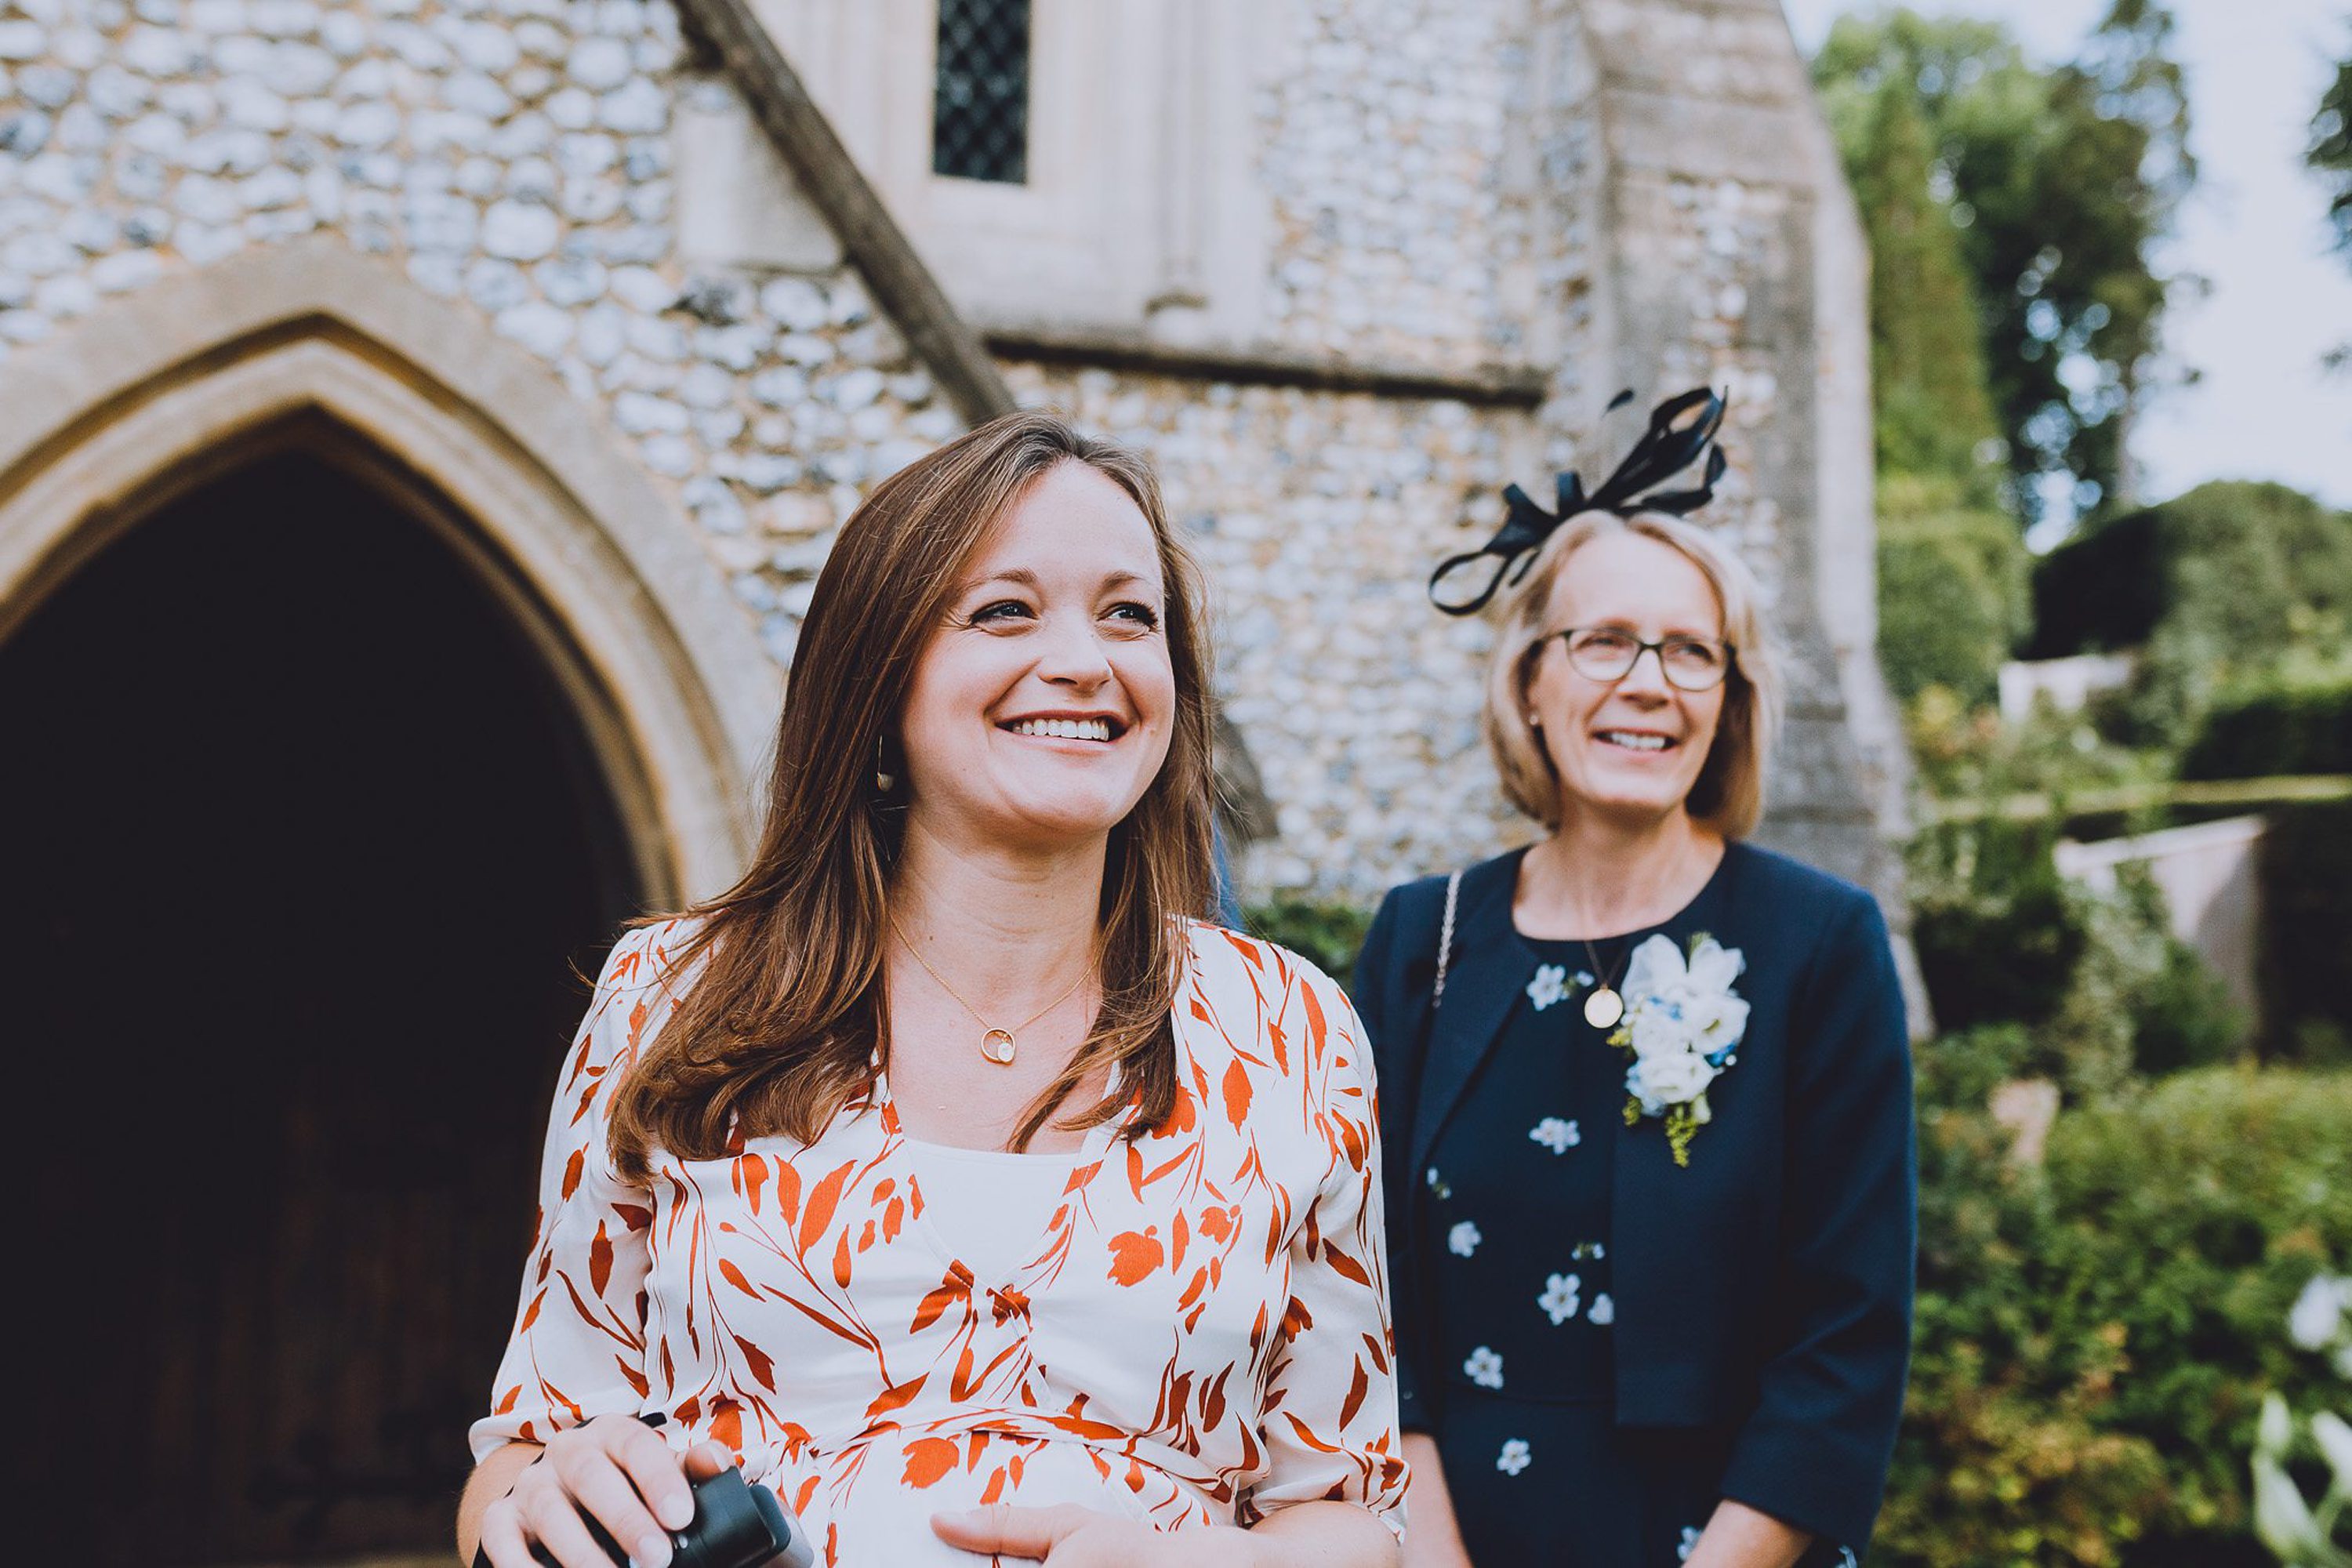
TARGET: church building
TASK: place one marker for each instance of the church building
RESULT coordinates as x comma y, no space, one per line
421,425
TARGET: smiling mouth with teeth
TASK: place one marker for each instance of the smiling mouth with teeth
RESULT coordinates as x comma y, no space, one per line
1064,729
1634,741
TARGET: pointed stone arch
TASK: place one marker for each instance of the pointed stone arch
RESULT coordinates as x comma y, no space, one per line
315,345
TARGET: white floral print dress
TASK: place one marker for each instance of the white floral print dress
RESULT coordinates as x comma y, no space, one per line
1201,1333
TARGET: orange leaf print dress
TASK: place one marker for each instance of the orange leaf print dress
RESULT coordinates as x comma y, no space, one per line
1200,1333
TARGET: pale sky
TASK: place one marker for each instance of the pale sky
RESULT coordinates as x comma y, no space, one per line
2254,227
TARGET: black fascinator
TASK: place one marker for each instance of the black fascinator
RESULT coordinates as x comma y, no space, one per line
1681,429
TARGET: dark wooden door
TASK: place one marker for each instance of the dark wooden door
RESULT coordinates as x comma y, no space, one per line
298,851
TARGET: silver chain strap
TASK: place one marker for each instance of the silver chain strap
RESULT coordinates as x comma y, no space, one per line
1446,940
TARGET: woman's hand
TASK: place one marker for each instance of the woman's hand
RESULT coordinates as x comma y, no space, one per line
1738,1536
1068,1536
617,1470
1432,1537
1304,1535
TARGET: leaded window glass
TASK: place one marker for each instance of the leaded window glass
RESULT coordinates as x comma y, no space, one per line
979,107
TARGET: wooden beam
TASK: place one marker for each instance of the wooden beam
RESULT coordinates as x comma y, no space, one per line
902,285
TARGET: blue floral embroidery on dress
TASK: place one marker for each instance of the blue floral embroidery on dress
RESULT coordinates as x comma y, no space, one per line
1561,1298
1484,1368
1514,1457
1557,1135
1462,1239
1552,984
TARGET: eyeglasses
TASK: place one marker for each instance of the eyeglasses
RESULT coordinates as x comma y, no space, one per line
1610,653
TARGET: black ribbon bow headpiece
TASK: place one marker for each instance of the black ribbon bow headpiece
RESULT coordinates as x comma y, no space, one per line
1681,429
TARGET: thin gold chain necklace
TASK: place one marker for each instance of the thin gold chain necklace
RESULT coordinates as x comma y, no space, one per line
998,1045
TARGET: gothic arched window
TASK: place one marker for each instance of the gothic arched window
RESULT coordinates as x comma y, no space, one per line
980,106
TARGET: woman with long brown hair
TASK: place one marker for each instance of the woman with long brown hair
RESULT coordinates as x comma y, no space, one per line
946,1171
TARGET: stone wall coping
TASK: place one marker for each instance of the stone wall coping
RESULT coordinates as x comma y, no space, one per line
1521,386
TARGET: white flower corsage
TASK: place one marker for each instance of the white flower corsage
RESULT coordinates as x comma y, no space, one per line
1683,1022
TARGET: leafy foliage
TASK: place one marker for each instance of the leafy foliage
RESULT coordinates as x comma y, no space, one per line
2279,727
2306,876
2057,183
2095,1334
2329,156
2231,583
1952,584
1998,931
1328,933
2102,988
2330,153
1973,754
1934,410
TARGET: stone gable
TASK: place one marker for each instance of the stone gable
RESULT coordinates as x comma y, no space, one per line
1454,230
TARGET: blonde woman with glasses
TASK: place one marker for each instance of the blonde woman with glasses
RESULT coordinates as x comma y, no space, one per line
1645,1088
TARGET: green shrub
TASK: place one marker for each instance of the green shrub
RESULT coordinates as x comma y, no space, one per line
2001,1460
2280,728
2259,565
1951,598
2184,1017
2101,591
2100,984
1327,932
2228,582
2306,941
1976,756
1997,957
2095,1334
2192,1218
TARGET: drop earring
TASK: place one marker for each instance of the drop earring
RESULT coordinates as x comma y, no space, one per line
885,780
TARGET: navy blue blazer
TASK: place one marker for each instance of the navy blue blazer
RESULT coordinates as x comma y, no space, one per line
1765,1289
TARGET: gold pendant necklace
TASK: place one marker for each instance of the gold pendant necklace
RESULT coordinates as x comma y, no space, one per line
1603,1006
997,1044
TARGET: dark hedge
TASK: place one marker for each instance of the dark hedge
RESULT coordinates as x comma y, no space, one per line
2279,729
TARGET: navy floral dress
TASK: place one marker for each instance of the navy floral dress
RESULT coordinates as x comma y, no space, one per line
1609,1329
1518,1223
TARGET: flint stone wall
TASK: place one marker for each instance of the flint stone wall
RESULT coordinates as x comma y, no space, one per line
1588,193
516,159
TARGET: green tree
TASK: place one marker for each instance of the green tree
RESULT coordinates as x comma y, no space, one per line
2233,584
1952,589
2330,157
2330,153
1950,565
2060,182
1934,410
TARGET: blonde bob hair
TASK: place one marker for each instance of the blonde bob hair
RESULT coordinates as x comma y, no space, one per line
1728,797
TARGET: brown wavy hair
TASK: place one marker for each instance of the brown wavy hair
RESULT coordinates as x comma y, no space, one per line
778,1029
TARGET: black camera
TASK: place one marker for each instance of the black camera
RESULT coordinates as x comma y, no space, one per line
737,1525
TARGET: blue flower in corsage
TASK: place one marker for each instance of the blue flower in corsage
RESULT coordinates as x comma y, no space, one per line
1683,1022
